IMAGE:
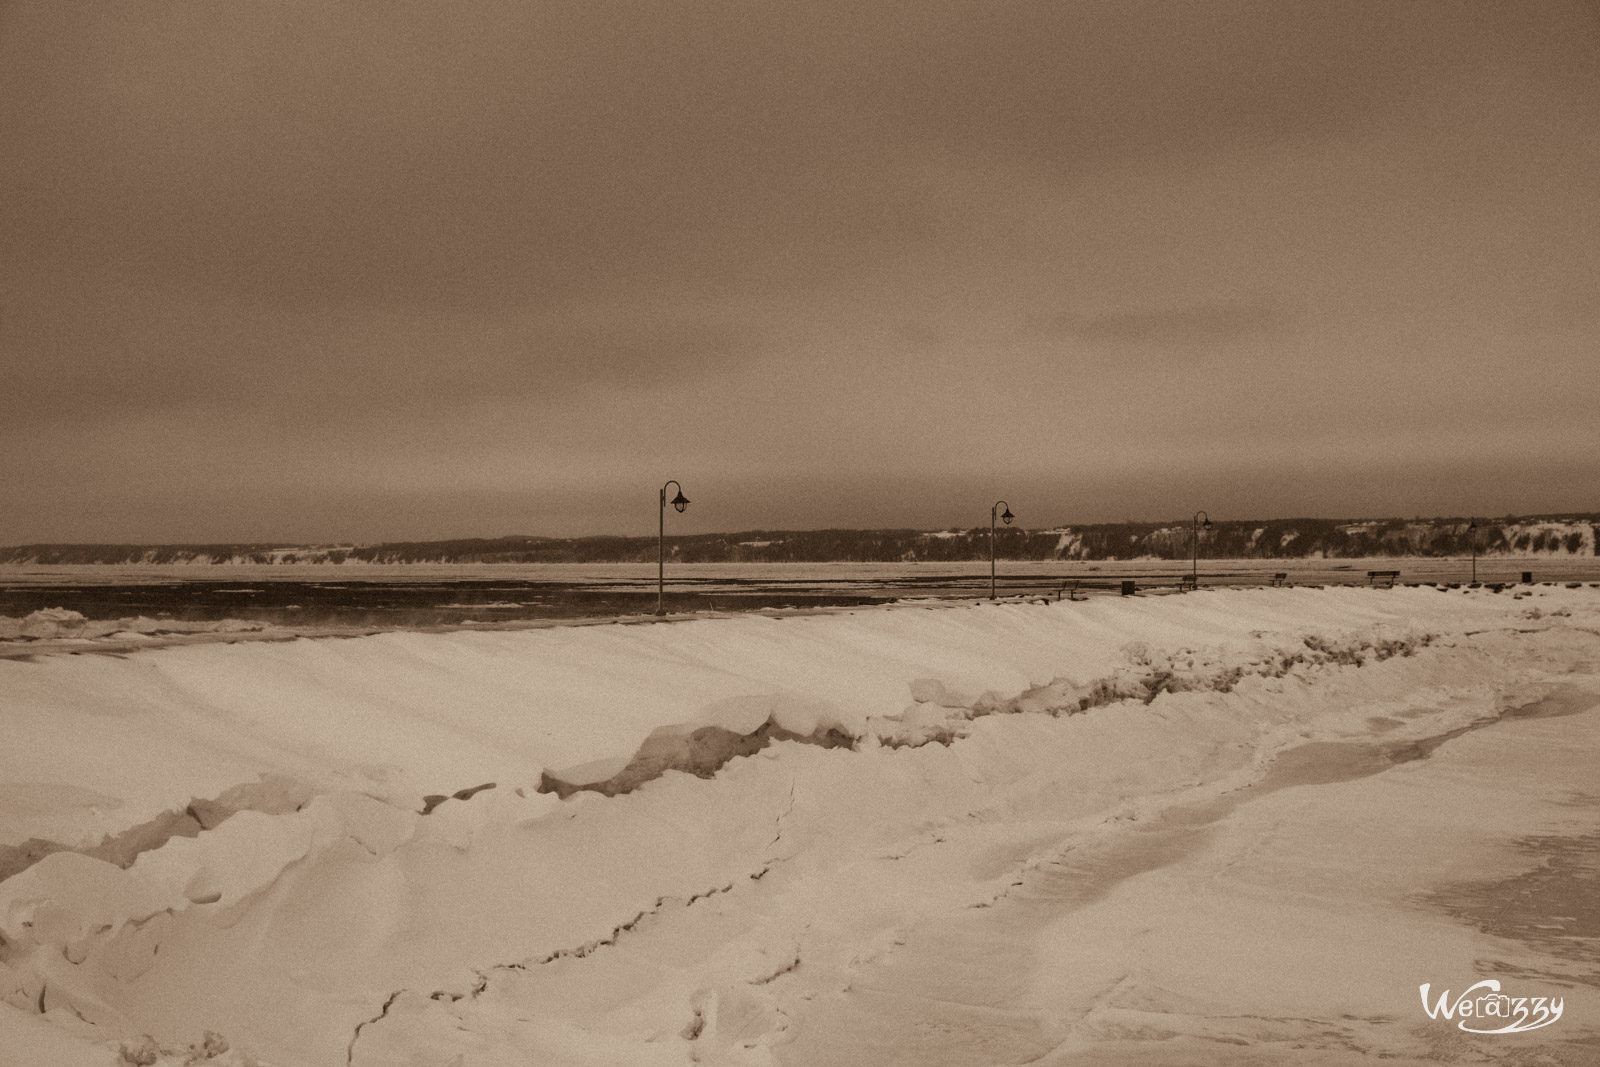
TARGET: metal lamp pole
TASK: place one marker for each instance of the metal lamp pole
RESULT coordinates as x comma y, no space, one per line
1007,517
680,502
1201,520
1472,532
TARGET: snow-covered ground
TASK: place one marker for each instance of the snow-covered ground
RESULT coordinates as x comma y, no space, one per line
1225,827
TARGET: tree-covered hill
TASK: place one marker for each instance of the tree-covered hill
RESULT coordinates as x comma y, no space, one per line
1266,539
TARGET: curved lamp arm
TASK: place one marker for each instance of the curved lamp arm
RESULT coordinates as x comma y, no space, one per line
679,502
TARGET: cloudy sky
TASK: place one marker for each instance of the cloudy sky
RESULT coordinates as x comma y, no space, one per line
344,270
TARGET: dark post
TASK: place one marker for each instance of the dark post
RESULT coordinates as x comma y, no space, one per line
1472,532
998,504
679,502
1194,566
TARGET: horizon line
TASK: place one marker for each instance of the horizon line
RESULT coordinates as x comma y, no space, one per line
1571,516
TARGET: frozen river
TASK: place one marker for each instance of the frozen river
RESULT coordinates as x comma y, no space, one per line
308,597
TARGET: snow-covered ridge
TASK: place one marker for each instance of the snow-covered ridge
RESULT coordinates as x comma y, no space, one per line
437,712
55,624
381,890
1564,535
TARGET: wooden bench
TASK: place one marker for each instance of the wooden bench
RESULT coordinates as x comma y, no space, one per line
1069,588
1280,577
1188,581
1385,578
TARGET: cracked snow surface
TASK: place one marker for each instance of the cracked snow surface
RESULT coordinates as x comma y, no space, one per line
1142,831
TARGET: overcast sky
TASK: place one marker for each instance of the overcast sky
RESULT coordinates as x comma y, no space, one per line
341,270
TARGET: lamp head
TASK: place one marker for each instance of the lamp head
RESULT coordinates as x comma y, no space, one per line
680,501
1473,525
1006,516
1206,525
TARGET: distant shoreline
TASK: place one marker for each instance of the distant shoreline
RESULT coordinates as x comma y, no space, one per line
1563,536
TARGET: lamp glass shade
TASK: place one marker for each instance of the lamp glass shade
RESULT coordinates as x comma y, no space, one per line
1006,516
680,501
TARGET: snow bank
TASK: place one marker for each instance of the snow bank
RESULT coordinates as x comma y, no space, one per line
405,876
405,715
54,624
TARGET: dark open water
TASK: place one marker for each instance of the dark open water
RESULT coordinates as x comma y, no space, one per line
399,597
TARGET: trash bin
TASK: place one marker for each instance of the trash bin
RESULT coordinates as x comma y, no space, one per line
1127,586
1527,577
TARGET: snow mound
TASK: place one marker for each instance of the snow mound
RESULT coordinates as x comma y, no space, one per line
48,623
400,887
59,624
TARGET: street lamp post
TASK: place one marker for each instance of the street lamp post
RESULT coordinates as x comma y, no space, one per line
1201,521
1472,532
679,502
1006,518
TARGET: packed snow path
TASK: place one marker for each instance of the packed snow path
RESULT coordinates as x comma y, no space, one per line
1186,829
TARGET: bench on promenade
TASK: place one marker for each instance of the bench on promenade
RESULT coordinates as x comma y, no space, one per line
1188,581
1383,579
1280,577
1069,588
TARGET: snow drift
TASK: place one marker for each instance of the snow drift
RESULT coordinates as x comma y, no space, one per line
421,847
